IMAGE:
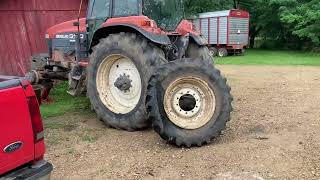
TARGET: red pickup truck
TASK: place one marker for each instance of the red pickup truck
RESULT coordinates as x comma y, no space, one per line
22,145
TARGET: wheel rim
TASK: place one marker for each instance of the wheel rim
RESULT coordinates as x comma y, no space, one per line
198,106
119,84
212,52
221,53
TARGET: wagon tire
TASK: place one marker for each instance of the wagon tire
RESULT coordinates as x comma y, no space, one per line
222,52
196,51
118,74
181,82
213,51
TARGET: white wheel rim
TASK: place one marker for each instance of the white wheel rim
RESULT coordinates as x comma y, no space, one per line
211,52
220,53
110,70
201,110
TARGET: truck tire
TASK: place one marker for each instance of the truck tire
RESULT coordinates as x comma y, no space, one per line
188,102
222,52
118,74
195,51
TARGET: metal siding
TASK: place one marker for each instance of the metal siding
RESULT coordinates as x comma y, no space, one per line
213,31
214,14
239,31
204,28
23,25
196,23
223,29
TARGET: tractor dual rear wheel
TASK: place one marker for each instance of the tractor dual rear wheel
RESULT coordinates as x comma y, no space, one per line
120,68
188,102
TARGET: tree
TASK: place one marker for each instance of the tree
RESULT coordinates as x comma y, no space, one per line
304,18
193,7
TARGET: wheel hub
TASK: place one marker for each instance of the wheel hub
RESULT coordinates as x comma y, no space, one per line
123,83
119,84
189,102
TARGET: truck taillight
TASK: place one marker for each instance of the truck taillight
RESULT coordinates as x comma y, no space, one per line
35,115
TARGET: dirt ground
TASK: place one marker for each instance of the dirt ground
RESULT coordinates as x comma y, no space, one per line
274,134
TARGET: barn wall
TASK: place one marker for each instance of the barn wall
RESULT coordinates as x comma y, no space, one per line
23,27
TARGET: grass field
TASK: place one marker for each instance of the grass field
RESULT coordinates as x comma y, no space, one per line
64,103
268,57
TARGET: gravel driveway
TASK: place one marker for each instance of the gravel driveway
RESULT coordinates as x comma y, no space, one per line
274,134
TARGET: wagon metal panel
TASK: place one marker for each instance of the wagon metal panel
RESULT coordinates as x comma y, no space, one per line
215,14
228,28
196,23
213,31
223,30
23,26
205,28
239,30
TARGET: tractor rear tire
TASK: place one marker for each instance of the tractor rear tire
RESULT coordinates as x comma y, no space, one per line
188,102
195,51
118,74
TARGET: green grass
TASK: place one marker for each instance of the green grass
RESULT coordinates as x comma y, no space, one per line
270,57
64,103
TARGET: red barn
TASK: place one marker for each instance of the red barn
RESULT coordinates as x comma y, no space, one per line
23,27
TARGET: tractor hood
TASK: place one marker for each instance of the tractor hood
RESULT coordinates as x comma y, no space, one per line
65,28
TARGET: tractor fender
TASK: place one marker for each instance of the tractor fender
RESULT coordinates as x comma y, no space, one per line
116,28
198,39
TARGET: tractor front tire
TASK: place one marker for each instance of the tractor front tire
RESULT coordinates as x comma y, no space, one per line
118,74
188,102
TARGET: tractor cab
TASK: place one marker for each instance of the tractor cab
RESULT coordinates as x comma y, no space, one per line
166,14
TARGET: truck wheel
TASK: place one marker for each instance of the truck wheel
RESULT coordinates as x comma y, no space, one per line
195,51
188,102
213,51
222,52
118,74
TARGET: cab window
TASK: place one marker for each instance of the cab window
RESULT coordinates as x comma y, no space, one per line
101,8
126,7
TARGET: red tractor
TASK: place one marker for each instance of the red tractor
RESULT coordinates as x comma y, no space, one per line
140,63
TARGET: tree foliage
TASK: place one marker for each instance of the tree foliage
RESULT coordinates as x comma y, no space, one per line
304,19
193,7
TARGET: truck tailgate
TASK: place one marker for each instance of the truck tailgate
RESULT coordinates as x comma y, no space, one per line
16,143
